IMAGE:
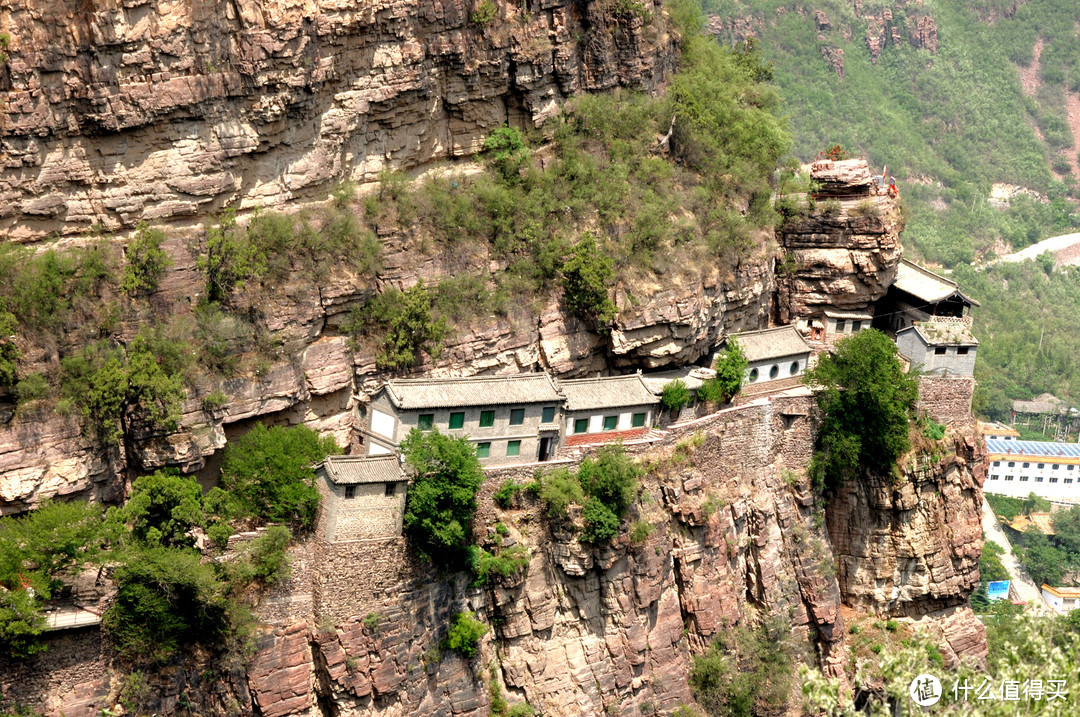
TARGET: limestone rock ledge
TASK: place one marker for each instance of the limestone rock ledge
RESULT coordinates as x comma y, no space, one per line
121,111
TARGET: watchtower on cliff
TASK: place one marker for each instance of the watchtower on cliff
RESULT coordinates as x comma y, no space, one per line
363,497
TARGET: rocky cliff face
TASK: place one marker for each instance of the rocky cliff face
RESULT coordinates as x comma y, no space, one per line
114,112
842,255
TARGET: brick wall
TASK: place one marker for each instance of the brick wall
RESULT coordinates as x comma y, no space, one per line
946,398
356,578
73,663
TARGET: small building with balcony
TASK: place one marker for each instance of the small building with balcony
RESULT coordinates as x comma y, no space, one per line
607,409
510,419
918,294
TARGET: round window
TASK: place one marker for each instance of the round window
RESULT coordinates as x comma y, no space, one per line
753,375
774,372
794,367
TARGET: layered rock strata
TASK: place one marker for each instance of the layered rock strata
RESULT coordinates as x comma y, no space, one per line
116,112
841,254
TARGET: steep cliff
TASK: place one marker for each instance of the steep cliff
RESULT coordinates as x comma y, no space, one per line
736,534
117,112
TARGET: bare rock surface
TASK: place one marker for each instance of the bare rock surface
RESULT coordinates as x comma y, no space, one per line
151,110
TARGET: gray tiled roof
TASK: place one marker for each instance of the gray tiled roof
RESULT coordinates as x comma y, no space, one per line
777,343
584,394
472,391
941,333
926,285
350,470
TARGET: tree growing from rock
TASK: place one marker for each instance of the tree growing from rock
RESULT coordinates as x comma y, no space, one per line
730,367
867,401
442,499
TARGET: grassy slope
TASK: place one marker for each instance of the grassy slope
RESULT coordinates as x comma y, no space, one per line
949,124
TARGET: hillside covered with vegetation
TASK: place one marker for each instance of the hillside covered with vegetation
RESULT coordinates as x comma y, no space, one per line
953,97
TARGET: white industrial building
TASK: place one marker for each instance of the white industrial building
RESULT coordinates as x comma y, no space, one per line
1019,468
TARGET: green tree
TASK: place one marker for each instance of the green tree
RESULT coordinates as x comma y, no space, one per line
587,278
675,395
146,263
746,671
163,508
271,473
507,149
167,598
230,260
107,384
1067,529
442,498
867,402
730,367
9,351
21,624
611,477
408,323
465,633
1045,563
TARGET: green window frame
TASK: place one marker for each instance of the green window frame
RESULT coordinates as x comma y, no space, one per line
487,419
517,416
483,450
638,420
513,448
425,421
581,425
611,423
457,419
549,414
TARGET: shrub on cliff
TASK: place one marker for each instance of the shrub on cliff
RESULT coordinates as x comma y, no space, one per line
747,671
110,385
675,395
867,401
231,259
587,278
271,473
465,633
405,324
9,351
166,598
442,499
146,263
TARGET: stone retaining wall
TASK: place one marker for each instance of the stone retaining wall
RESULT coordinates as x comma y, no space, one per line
946,398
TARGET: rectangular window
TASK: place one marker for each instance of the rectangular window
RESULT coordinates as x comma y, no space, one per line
962,350
390,489
483,450
939,351
1053,479
1041,466
841,324
1027,465
1071,467
487,419
1023,479
1068,480
1038,479
581,425
1012,464
513,448
350,491
638,420
457,419
997,463
855,326
611,423
549,414
425,421
1008,478
993,477
1055,466
517,416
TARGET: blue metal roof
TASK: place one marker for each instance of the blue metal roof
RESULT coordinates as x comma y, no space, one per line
1033,449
